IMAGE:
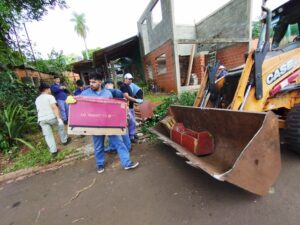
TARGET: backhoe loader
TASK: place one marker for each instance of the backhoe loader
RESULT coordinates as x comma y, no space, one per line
246,110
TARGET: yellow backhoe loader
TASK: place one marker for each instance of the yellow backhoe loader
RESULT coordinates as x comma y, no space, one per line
247,108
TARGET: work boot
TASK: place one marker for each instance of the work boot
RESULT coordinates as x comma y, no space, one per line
54,154
68,141
133,141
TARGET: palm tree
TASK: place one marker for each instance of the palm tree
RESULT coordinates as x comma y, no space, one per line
80,28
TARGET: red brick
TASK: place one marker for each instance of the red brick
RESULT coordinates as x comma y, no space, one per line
232,56
166,81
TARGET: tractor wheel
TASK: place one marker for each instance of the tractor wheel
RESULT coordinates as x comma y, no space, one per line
292,129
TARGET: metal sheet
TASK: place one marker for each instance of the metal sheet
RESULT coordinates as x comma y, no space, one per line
247,149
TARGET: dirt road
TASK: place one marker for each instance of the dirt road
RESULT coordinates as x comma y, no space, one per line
163,190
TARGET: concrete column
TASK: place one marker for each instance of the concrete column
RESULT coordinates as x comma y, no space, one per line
175,50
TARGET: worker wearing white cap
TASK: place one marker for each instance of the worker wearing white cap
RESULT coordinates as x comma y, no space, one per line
221,72
127,91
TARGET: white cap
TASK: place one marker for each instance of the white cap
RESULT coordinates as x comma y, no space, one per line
128,76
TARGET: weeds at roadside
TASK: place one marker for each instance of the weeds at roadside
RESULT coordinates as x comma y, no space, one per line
156,97
38,156
186,99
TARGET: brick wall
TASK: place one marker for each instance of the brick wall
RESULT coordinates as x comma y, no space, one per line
71,75
33,77
32,73
166,81
233,56
199,65
21,73
230,57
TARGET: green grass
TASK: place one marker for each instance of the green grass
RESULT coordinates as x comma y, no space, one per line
39,156
156,98
186,98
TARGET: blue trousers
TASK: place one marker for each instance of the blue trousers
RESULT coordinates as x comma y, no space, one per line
64,109
122,150
126,140
131,124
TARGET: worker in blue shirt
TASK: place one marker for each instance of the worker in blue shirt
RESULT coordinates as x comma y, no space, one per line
109,85
80,87
60,93
98,140
221,72
116,93
136,90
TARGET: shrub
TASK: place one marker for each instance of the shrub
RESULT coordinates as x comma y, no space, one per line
23,94
186,98
15,122
144,86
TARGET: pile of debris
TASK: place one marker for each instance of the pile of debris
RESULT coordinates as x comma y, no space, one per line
143,112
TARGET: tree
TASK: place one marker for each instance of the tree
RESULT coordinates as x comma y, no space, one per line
81,29
90,53
256,27
15,12
55,64
72,58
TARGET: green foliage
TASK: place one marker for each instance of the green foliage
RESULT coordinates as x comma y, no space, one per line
80,24
144,86
4,144
256,27
15,122
81,29
294,29
72,58
7,76
62,154
156,97
162,109
12,14
142,83
71,85
17,117
186,98
55,64
256,30
37,157
90,53
12,89
9,56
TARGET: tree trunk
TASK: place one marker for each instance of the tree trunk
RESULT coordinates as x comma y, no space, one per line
86,50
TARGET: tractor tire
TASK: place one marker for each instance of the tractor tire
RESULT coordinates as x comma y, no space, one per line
292,129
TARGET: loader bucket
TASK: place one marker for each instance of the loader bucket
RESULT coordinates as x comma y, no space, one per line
247,147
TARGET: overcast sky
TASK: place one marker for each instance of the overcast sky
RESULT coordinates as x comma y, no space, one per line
110,21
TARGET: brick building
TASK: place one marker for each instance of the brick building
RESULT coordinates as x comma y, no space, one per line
166,47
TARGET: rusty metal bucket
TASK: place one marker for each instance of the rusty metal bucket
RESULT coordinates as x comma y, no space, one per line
247,147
